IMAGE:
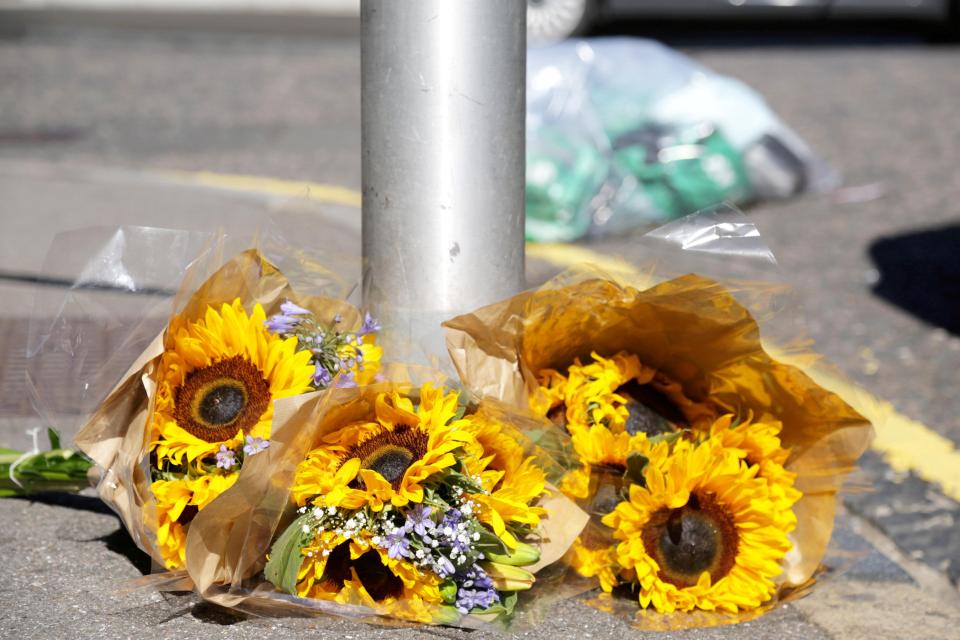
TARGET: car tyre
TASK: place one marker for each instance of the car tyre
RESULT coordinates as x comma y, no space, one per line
553,20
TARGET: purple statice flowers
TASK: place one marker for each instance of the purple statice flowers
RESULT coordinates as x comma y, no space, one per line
333,352
475,590
418,521
290,316
370,325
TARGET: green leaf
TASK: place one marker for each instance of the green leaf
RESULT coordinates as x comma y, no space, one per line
506,606
54,437
57,470
510,602
636,463
448,591
286,555
489,543
455,478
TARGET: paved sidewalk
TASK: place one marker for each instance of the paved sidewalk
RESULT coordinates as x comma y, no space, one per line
67,559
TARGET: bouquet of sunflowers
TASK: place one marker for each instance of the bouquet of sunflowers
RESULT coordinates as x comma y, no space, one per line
700,505
389,500
198,404
709,468
616,431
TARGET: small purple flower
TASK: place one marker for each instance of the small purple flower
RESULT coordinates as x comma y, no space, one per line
445,567
418,520
461,547
475,577
346,381
451,519
322,377
470,599
397,545
255,445
370,325
290,309
226,458
281,323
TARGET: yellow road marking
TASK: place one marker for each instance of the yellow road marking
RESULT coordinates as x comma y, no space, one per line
905,444
257,184
569,255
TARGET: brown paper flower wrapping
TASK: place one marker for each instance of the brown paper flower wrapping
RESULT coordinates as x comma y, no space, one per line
692,329
117,435
228,542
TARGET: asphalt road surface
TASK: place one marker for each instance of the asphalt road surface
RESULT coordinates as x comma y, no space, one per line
86,115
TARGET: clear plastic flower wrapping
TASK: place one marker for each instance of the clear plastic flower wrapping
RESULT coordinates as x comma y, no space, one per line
707,307
707,303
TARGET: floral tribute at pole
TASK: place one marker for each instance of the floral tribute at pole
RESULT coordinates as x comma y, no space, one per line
217,380
629,433
699,504
709,469
405,503
198,405
417,509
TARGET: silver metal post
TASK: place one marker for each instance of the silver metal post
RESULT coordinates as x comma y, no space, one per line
443,97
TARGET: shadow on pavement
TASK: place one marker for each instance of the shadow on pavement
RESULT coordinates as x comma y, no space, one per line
119,541
920,272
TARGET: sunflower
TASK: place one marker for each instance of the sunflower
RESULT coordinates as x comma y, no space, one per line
603,456
512,481
758,444
597,486
217,381
354,571
386,461
620,393
702,533
592,556
178,501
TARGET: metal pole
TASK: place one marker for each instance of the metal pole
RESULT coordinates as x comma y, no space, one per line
443,112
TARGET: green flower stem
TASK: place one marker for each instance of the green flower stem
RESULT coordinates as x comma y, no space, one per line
62,470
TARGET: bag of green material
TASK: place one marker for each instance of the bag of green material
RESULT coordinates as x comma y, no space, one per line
625,133
563,174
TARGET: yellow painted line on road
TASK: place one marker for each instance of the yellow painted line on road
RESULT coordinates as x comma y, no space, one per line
569,255
314,191
905,444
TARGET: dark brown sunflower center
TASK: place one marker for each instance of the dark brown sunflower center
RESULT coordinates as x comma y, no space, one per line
606,484
685,542
649,411
390,453
217,401
558,415
376,578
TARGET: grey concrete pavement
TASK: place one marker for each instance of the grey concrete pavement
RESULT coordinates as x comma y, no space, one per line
71,579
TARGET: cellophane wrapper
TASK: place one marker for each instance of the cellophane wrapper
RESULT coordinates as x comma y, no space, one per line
707,307
228,542
134,283
627,133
